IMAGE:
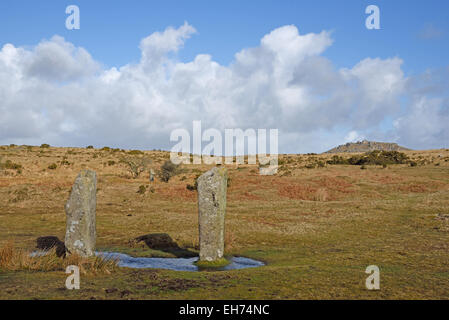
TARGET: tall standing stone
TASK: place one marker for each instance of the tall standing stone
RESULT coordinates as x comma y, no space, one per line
212,187
80,236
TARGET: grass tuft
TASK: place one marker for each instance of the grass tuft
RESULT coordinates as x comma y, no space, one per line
16,259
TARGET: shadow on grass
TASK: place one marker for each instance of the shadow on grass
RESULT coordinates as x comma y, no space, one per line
163,242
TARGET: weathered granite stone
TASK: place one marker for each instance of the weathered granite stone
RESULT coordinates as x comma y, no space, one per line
212,187
152,175
80,210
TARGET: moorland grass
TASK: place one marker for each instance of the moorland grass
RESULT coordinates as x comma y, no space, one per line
317,229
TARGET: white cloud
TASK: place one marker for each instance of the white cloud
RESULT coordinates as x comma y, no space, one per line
157,45
58,60
426,123
353,136
56,93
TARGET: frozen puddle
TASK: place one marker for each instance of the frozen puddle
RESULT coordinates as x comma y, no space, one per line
177,264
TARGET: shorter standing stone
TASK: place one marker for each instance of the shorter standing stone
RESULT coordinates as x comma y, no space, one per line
80,210
212,187
151,175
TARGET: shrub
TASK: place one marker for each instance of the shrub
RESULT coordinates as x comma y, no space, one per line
413,164
45,145
167,171
135,152
136,165
11,165
53,166
89,147
111,162
64,162
105,149
372,158
379,158
320,164
142,189
337,160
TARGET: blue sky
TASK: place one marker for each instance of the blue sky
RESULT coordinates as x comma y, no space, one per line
111,30
407,58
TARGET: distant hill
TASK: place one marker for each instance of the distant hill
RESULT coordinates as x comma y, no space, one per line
366,146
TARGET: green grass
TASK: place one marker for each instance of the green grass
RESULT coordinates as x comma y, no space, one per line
216,264
313,248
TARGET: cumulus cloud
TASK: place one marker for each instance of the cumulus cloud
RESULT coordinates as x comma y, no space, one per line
58,60
425,124
157,45
57,93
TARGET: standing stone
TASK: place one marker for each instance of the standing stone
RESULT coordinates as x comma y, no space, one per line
212,187
151,175
80,236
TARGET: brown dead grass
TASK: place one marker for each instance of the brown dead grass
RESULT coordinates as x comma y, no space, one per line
16,259
313,226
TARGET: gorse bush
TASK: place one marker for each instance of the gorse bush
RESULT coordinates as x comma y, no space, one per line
337,160
142,189
372,158
135,152
167,171
53,166
64,161
8,164
380,158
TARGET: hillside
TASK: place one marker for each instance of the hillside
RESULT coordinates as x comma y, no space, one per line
314,222
366,146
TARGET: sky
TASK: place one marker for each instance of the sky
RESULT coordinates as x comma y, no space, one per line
136,71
